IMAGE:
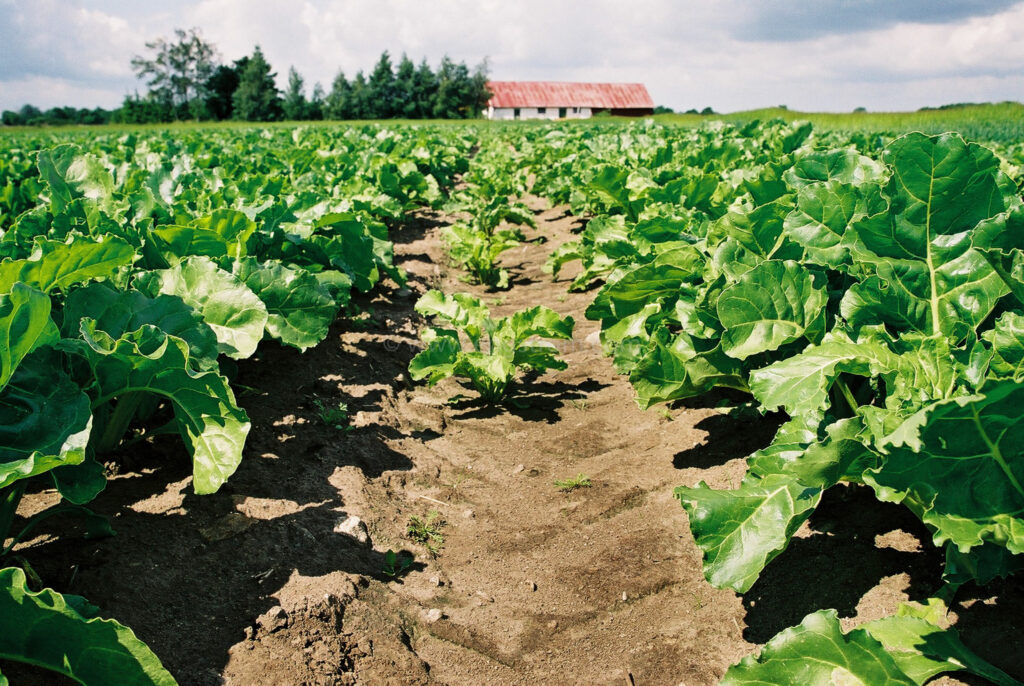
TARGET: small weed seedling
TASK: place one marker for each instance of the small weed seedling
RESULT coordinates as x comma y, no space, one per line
581,480
395,565
335,417
666,413
427,530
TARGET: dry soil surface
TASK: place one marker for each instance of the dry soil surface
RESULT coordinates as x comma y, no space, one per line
260,584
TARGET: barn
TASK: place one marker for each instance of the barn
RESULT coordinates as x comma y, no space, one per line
565,100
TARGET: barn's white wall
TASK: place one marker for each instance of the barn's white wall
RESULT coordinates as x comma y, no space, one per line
534,113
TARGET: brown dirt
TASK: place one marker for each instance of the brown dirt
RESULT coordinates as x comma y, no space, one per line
601,585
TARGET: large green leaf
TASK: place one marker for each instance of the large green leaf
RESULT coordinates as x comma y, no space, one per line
1007,341
460,310
61,634
818,652
54,265
741,531
150,361
25,325
959,464
236,315
118,312
823,215
71,174
674,368
923,649
773,304
800,384
299,309
658,281
45,420
929,278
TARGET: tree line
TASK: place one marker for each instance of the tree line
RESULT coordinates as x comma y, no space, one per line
186,81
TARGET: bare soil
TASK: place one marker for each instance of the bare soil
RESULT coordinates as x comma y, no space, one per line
532,585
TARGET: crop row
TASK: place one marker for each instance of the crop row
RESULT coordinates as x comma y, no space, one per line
870,287
134,270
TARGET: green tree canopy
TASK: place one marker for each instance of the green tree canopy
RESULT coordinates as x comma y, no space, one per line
257,97
178,71
295,105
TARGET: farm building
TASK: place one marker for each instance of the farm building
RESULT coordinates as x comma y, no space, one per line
563,100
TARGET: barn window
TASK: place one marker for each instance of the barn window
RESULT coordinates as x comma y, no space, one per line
561,113
542,110
515,113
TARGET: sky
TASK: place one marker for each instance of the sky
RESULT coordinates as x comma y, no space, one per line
731,55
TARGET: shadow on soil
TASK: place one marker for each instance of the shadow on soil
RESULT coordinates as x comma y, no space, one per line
533,401
840,562
730,436
190,574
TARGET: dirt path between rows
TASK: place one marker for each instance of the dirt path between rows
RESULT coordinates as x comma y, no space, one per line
256,585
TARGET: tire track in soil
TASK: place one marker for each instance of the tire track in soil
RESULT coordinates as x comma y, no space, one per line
252,586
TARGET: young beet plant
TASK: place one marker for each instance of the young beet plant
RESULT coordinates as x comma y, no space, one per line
498,347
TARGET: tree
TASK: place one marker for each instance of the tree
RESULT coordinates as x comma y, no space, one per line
424,91
359,107
295,105
339,102
316,102
220,88
460,94
405,88
180,68
381,100
257,98
477,95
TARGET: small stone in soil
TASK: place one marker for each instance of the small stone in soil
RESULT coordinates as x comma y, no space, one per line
432,616
518,468
532,585
273,619
436,581
353,527
469,514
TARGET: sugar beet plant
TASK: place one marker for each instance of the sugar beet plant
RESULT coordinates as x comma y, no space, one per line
493,226
498,348
878,302
141,265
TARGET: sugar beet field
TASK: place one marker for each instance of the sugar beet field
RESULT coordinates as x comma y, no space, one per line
625,403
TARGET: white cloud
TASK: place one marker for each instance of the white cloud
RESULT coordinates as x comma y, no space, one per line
690,54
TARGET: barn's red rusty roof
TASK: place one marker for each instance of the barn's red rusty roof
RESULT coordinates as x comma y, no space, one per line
566,94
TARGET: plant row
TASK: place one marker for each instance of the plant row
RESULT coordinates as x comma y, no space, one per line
133,271
872,289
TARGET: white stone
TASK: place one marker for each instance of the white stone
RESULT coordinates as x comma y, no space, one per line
353,527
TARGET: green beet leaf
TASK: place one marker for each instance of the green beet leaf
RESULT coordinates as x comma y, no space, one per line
54,265
299,309
682,367
25,325
236,315
499,347
959,465
773,304
923,649
45,420
818,652
118,312
741,531
70,174
1007,341
928,278
49,630
149,361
